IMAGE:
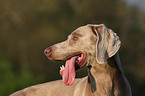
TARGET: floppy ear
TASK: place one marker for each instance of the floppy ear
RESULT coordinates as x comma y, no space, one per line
108,43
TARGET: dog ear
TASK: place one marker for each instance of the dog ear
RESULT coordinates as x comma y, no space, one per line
108,43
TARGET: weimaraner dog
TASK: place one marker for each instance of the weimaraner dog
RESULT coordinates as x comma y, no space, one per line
92,46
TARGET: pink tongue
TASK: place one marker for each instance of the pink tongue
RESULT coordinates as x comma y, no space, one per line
69,71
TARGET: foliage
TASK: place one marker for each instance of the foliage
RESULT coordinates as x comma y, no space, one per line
12,80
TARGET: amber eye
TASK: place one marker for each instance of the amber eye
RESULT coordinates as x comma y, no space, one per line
75,38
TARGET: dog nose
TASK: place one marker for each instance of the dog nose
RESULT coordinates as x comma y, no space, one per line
47,51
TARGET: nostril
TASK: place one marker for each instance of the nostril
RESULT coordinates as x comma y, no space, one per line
47,51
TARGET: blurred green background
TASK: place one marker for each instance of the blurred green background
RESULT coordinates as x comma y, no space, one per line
27,27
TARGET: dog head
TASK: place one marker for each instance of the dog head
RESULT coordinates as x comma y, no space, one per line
85,44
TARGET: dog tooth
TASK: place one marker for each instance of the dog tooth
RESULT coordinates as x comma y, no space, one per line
79,58
61,67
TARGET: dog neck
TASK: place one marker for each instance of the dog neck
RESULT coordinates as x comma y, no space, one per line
108,76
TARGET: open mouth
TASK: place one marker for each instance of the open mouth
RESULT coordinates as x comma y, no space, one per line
68,71
79,61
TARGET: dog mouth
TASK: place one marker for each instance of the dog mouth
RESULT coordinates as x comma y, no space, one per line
79,62
72,64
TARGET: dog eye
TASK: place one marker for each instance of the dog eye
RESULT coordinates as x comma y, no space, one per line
75,38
